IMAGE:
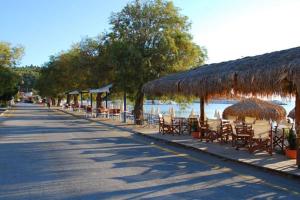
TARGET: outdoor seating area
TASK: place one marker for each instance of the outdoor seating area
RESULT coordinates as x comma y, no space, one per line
243,130
253,137
251,125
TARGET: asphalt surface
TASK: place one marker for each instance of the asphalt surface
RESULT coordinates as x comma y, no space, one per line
50,155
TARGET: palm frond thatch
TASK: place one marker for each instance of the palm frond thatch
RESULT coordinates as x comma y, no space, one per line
272,73
255,108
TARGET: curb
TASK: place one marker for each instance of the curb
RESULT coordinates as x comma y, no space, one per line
176,144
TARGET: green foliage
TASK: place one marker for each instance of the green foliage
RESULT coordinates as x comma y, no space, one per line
9,56
8,84
29,76
150,39
84,66
292,139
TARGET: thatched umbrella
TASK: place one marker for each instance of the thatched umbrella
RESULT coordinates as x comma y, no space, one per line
272,73
256,108
292,114
277,72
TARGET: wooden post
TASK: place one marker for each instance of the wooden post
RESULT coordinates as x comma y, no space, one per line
124,120
297,126
202,111
106,100
91,96
80,99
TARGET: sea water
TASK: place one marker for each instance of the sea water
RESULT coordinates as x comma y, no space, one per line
185,110
210,108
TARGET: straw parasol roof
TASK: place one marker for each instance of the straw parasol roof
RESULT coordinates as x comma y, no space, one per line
255,108
272,73
292,114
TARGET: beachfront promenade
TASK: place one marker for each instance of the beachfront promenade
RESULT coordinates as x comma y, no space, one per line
47,154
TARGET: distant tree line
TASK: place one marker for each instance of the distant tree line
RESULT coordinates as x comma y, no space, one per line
147,39
29,75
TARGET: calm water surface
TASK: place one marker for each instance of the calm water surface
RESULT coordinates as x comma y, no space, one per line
210,108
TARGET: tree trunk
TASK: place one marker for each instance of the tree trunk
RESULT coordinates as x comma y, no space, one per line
53,101
297,126
99,100
81,99
76,99
58,101
68,99
138,107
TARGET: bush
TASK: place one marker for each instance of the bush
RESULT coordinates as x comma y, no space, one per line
292,139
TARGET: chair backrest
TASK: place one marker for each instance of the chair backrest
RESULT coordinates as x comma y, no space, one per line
250,119
285,124
231,118
214,124
161,119
261,129
226,126
239,128
167,119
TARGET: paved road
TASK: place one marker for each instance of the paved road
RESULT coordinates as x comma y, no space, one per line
49,155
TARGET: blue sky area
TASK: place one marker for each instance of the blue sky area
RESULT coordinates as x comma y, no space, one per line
229,29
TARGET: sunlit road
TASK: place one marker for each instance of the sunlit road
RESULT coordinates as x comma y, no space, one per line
49,155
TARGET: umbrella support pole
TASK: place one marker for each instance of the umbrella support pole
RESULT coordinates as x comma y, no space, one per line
202,111
297,126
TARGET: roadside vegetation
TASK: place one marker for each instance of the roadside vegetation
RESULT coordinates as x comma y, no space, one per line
9,79
146,40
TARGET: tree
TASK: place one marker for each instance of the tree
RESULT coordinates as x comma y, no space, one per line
150,39
85,65
29,75
9,56
8,84
53,79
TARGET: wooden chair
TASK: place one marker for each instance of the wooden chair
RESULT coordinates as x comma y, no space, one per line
261,139
102,112
242,136
208,130
180,125
225,131
165,125
89,112
279,136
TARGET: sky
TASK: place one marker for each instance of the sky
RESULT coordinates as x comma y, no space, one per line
228,29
